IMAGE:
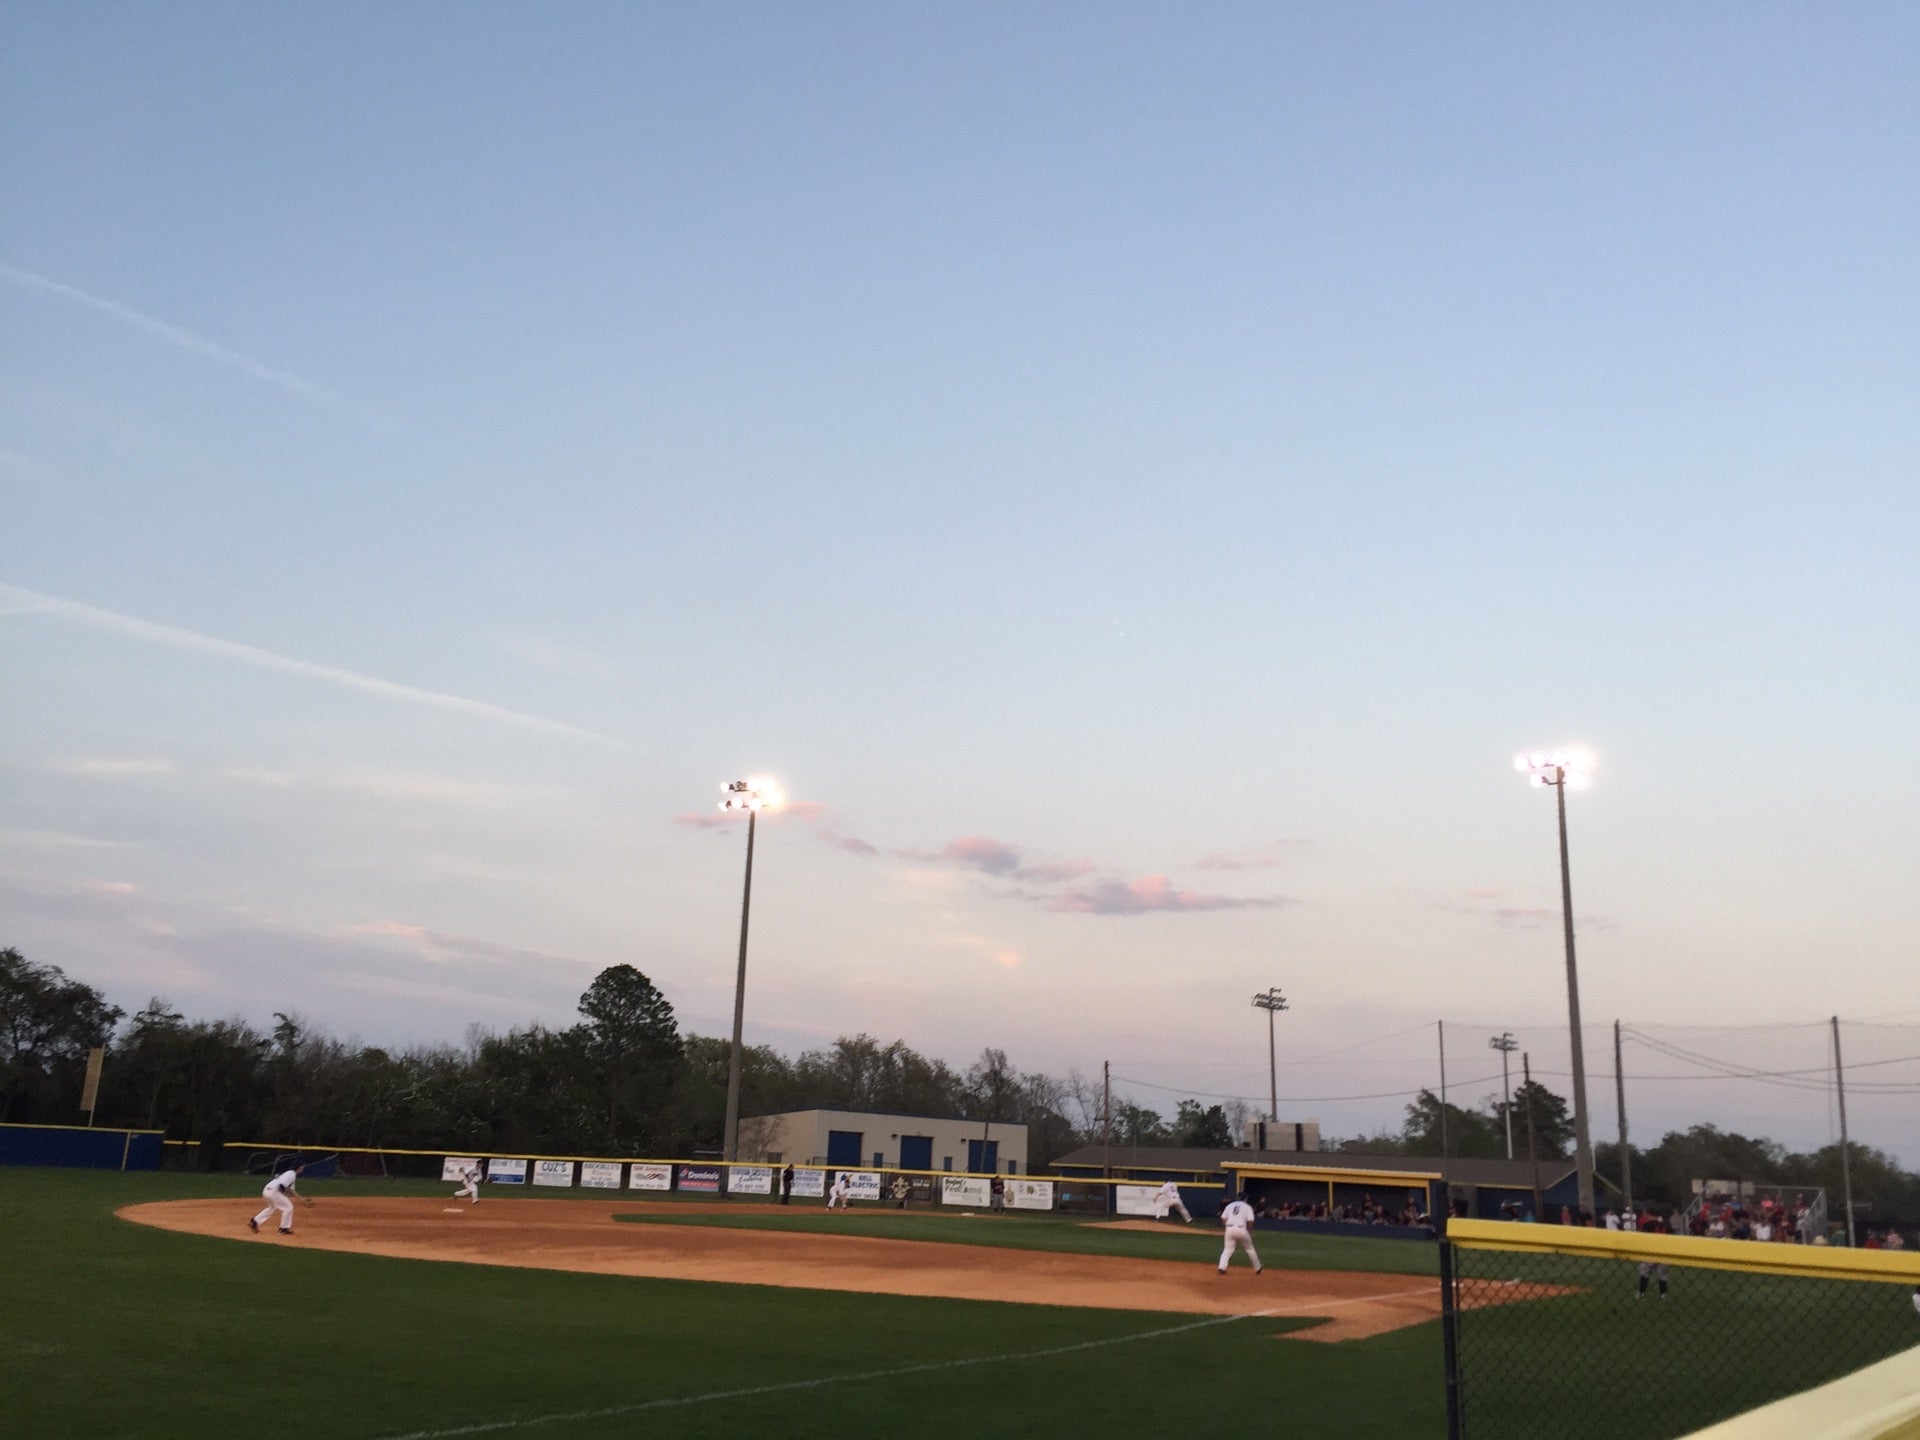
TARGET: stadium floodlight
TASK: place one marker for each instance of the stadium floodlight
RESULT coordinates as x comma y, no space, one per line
751,795
1506,1045
1271,1001
1564,770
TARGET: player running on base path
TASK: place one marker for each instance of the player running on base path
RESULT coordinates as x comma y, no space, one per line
1166,1200
472,1176
1238,1218
280,1193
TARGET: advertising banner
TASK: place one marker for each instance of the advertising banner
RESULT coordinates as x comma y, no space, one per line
750,1180
649,1177
965,1190
863,1185
809,1184
920,1188
507,1172
1029,1194
1135,1199
600,1174
553,1172
700,1177
453,1169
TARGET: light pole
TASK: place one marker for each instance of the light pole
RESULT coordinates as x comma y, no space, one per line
1273,1002
1564,770
752,796
1506,1045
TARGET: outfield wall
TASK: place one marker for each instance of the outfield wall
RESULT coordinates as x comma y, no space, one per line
80,1146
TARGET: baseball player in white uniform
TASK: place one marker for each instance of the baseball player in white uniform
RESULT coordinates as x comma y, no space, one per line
472,1175
1238,1218
1166,1200
840,1193
279,1194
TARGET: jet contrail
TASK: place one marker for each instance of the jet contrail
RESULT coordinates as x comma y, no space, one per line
17,601
187,340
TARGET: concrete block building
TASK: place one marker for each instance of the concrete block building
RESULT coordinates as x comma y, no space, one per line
866,1140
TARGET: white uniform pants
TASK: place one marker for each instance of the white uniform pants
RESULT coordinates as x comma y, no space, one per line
472,1187
1244,1239
1167,1207
276,1200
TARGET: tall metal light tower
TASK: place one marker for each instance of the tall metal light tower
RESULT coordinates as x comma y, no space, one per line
1565,770
1273,1002
752,796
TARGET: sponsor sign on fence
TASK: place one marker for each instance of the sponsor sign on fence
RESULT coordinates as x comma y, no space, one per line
649,1177
809,1184
553,1172
507,1172
1135,1200
750,1180
700,1177
1029,1194
600,1174
453,1169
863,1185
965,1190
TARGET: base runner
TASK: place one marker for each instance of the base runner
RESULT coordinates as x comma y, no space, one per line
279,1194
1237,1216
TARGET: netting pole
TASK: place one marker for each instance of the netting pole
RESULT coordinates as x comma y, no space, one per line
1846,1165
1533,1152
1449,1336
1446,1149
1620,1097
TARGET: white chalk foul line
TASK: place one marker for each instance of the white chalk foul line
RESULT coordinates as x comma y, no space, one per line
612,1412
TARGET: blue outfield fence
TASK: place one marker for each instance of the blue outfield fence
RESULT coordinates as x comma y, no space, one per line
80,1147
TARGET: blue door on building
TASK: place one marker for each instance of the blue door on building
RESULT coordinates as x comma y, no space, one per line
916,1152
983,1164
843,1147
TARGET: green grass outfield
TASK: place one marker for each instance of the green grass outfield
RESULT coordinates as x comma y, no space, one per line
112,1329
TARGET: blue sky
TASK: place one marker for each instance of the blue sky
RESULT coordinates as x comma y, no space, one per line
1136,476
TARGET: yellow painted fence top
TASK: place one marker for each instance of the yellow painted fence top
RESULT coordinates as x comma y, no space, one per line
1758,1257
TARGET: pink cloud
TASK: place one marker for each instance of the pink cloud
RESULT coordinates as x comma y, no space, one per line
1239,862
1150,894
1055,873
1002,861
852,844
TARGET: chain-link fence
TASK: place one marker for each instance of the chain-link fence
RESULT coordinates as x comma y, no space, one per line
1576,1333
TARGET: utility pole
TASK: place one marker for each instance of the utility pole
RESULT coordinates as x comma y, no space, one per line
1106,1124
1620,1098
1533,1153
1506,1045
1846,1162
1446,1148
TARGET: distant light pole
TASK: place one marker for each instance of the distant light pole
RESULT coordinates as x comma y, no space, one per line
1564,770
752,796
1506,1045
1273,1002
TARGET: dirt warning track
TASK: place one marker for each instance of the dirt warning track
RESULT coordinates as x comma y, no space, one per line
581,1235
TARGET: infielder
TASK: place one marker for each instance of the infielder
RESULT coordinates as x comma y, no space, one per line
280,1193
1238,1218
472,1175
1167,1199
840,1193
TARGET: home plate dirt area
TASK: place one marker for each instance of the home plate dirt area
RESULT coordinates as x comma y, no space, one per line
581,1235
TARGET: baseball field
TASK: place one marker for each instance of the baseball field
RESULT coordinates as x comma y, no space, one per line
141,1305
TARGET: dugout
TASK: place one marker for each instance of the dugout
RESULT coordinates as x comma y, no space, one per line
1335,1194
80,1146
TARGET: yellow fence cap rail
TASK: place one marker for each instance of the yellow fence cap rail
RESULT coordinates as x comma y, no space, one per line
1756,1257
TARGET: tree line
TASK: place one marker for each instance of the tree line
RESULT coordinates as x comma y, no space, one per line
624,1080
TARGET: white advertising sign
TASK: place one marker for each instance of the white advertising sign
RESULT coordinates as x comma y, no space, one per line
750,1180
649,1177
507,1172
1135,1199
863,1185
600,1174
453,1169
1029,1194
965,1190
553,1172
809,1184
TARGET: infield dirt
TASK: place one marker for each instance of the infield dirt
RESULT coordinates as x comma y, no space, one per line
581,1235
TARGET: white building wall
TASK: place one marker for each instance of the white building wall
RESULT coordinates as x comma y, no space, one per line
800,1137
